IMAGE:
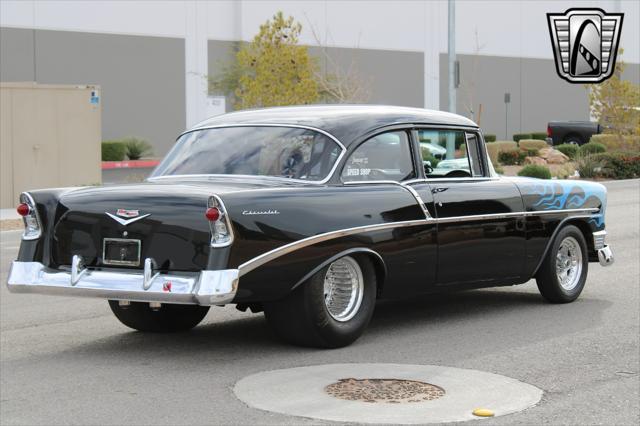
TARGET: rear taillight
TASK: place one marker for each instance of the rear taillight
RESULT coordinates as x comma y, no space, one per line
219,224
212,214
27,209
23,209
548,131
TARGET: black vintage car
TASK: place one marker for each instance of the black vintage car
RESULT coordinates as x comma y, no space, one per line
310,214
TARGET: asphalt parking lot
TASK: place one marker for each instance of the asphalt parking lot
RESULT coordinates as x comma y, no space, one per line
69,361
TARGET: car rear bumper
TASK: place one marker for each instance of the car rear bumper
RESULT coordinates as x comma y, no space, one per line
200,288
605,255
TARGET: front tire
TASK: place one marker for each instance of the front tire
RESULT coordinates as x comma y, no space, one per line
168,319
563,272
330,310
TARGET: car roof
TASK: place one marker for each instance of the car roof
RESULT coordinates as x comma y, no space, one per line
345,122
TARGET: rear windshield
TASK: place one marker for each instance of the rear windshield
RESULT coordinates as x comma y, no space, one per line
256,150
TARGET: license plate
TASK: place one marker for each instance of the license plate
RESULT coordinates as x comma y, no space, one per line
122,252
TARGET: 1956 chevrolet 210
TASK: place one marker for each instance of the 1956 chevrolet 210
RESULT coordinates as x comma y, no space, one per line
310,214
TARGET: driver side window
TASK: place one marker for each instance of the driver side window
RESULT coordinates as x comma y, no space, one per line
383,157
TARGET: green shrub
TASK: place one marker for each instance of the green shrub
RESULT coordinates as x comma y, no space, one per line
489,138
511,158
568,149
618,165
616,143
539,136
427,156
532,170
494,148
532,153
113,151
527,144
591,148
137,148
518,136
589,166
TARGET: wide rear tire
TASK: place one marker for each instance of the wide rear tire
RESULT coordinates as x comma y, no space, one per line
323,316
168,319
563,272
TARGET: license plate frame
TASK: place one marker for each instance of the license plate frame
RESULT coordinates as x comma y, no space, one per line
123,242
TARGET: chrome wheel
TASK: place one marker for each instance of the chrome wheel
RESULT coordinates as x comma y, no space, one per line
343,289
569,263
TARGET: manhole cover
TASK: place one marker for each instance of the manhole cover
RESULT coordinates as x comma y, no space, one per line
384,390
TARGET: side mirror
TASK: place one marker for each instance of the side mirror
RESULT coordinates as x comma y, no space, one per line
427,167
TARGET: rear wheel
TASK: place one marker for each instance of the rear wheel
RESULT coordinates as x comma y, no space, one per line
168,318
573,140
330,310
563,272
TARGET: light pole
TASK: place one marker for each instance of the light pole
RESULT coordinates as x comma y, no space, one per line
507,100
452,55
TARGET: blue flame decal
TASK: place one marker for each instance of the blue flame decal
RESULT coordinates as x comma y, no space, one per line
566,194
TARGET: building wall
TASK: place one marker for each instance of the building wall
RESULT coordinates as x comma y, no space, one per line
538,94
141,78
391,77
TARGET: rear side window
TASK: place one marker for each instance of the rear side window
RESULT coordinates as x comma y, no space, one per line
383,157
450,153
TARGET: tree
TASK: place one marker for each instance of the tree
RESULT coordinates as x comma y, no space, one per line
337,84
273,70
615,102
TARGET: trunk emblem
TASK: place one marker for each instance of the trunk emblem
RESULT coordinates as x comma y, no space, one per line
132,215
127,213
166,287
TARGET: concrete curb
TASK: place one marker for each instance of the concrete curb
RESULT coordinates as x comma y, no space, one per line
300,392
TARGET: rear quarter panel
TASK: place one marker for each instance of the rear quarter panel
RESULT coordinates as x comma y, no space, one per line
298,213
559,195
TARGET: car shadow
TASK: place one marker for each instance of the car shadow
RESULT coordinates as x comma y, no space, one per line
487,320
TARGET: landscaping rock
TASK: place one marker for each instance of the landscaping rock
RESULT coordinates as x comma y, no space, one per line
544,152
535,160
556,157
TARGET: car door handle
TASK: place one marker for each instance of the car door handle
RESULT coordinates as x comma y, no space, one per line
439,203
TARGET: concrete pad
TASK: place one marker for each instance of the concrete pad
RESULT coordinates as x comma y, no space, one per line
300,392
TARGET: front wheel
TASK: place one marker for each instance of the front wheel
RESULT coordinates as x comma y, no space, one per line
330,310
168,318
563,272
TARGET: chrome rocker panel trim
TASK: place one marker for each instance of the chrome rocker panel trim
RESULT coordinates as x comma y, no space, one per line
204,288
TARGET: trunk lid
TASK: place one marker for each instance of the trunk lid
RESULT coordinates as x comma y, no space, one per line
166,216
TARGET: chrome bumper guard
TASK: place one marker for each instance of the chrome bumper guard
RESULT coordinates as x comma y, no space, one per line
204,288
605,255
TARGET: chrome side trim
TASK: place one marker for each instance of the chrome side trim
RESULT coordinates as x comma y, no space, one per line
258,261
451,179
191,288
512,214
420,201
404,185
264,258
294,126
